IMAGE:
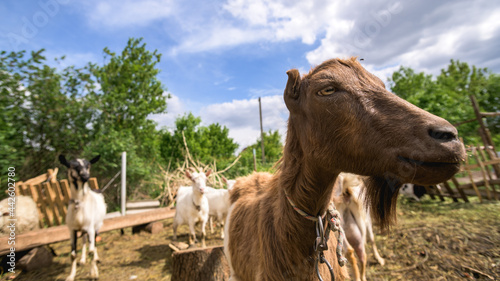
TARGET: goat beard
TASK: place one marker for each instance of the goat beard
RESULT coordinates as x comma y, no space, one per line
381,194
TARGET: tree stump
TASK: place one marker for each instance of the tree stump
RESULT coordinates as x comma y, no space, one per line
36,258
208,264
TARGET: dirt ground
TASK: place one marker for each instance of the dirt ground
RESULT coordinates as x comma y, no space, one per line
432,241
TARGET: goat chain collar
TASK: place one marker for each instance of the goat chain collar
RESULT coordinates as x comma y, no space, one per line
323,234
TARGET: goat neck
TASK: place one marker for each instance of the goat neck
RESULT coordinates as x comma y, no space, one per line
197,196
309,186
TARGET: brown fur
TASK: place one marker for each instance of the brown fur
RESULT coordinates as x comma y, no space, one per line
360,128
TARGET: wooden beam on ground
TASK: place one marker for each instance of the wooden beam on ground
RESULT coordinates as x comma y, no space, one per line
61,233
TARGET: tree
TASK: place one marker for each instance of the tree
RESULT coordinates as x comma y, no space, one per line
44,112
204,143
273,150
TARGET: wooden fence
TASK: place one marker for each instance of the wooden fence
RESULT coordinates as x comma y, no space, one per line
482,179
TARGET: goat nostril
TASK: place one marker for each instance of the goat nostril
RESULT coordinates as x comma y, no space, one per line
443,134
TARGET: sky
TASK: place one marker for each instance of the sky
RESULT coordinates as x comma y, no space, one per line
220,56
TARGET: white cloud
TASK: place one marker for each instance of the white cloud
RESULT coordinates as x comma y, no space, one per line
242,119
127,13
175,109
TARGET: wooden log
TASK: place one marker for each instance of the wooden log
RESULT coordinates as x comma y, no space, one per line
37,258
208,264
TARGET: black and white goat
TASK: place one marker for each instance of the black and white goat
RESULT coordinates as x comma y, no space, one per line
413,191
86,211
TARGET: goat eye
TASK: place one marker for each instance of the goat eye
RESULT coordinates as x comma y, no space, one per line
327,91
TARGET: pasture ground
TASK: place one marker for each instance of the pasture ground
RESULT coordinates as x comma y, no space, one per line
432,241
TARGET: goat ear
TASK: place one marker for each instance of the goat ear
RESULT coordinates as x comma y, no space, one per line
95,159
292,87
208,172
339,186
188,174
63,160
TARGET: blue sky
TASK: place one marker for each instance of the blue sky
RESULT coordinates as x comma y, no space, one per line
219,56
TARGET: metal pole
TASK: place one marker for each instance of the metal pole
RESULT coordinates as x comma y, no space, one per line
254,160
124,184
261,134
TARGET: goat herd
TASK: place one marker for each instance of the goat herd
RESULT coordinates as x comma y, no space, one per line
342,120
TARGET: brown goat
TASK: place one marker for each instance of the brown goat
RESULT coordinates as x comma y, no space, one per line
342,119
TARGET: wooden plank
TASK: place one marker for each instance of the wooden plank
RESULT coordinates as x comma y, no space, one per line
37,180
143,204
52,175
59,201
450,191
24,190
472,179
486,173
93,183
60,233
488,162
489,114
481,165
136,219
50,198
34,195
47,214
137,211
65,189
459,188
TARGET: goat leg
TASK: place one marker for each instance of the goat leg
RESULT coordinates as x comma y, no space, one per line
203,234
72,274
94,273
83,259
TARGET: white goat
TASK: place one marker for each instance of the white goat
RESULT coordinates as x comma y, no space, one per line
86,211
356,221
26,215
218,202
192,206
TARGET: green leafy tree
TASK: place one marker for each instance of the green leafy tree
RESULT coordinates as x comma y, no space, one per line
273,150
204,143
44,112
129,91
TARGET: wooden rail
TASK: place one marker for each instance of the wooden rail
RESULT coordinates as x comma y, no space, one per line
61,233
